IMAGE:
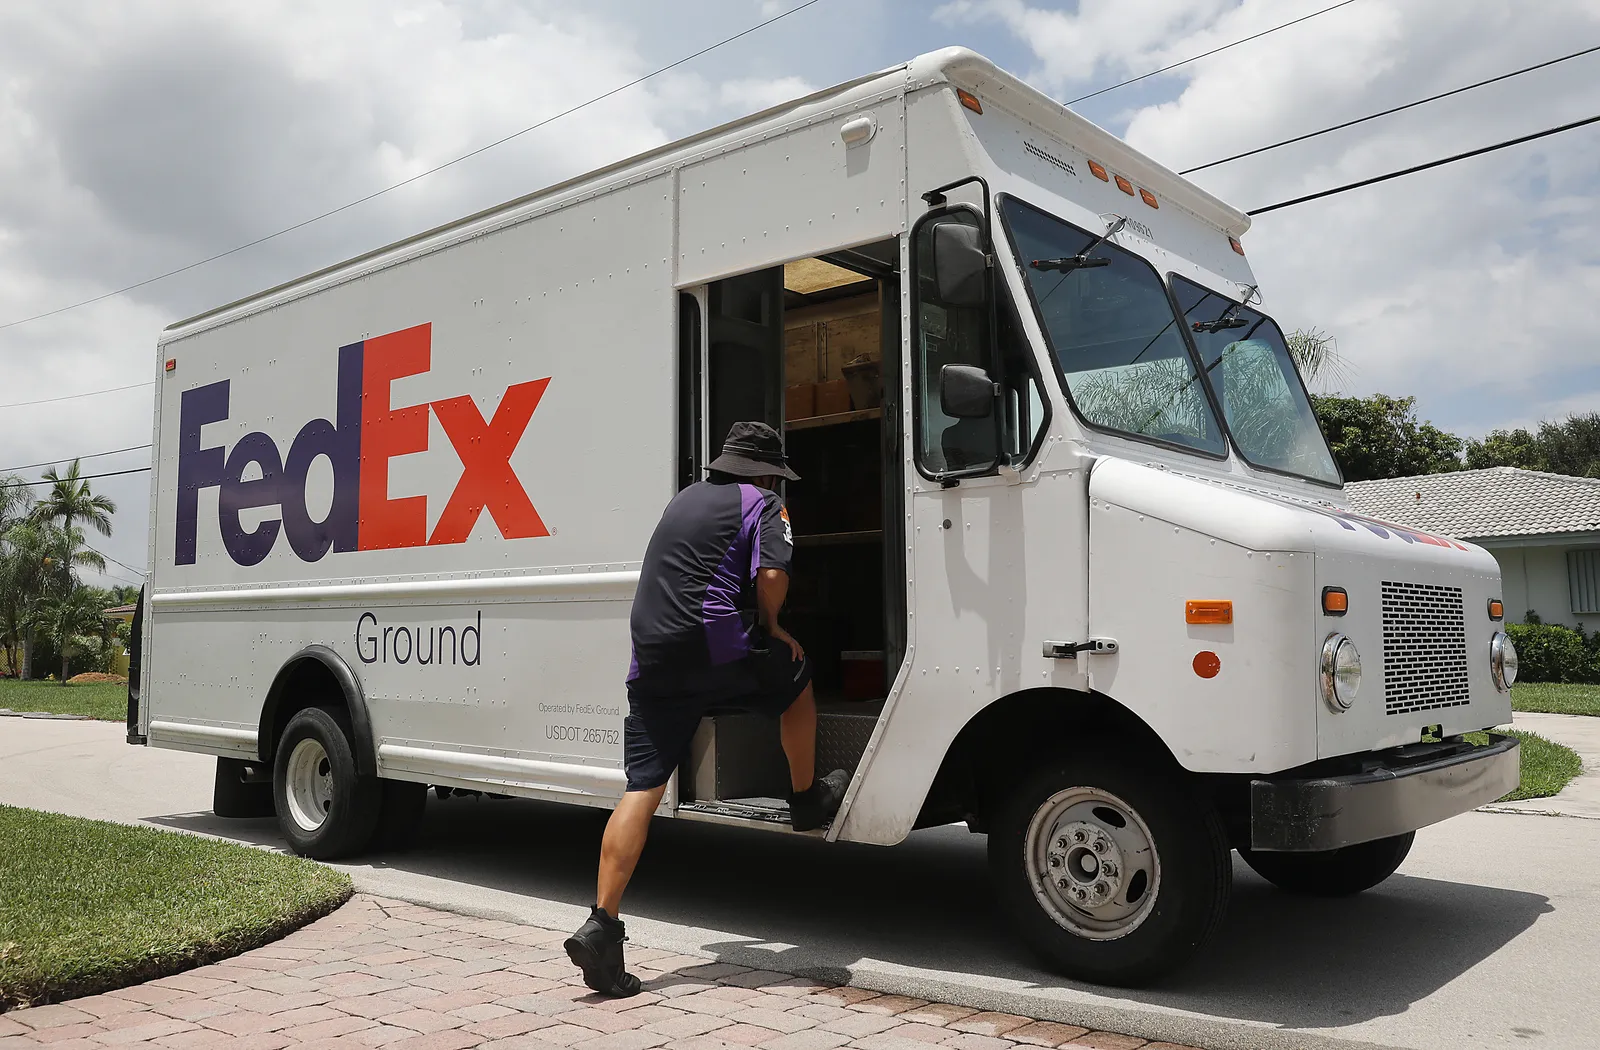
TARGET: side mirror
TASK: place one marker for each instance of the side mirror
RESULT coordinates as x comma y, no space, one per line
959,264
965,392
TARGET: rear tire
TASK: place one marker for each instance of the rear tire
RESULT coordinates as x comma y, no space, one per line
1336,872
326,809
232,796
1110,869
401,816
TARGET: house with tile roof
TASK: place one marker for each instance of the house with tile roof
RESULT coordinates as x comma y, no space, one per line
1543,529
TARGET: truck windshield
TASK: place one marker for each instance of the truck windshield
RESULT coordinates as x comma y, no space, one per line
1113,333
1255,381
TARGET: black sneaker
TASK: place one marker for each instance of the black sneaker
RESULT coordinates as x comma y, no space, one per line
816,805
597,950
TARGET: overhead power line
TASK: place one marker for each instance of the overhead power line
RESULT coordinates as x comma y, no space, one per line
82,477
1424,167
109,558
1391,110
1196,58
420,175
69,459
74,397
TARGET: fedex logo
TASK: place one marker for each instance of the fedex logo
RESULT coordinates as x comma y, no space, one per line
367,434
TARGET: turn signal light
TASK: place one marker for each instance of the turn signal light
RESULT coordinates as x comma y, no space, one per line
1098,170
1335,602
1208,612
970,100
1497,610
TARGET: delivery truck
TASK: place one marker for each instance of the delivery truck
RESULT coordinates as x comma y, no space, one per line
1071,556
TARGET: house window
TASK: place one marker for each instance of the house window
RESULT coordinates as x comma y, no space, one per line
1583,581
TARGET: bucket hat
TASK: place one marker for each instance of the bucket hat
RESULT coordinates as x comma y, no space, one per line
753,450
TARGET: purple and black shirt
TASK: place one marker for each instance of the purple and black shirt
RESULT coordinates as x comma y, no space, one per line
696,597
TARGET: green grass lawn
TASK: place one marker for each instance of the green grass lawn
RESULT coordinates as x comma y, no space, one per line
1546,766
1556,698
87,906
108,701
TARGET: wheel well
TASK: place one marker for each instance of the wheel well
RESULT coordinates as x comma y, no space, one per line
1013,735
316,676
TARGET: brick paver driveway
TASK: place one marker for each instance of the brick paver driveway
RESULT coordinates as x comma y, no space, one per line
379,973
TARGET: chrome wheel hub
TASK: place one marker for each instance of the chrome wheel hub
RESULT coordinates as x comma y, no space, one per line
1092,863
309,784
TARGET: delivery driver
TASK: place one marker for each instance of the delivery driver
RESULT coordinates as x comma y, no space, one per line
706,634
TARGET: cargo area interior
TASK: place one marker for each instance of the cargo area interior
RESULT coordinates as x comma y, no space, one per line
805,346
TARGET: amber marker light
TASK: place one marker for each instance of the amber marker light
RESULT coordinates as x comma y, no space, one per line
1335,602
1497,610
1233,242
1208,612
1148,197
1124,185
1098,170
970,100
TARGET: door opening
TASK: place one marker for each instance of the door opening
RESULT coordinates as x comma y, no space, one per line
808,347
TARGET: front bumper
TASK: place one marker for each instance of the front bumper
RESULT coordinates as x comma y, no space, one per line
1394,792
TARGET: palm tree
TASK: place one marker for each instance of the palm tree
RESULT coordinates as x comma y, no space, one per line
38,564
16,509
69,499
68,615
1316,354
26,551
16,501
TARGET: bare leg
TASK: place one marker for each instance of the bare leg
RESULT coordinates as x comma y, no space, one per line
626,832
798,729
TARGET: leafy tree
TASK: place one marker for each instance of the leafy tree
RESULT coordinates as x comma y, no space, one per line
1381,437
1569,447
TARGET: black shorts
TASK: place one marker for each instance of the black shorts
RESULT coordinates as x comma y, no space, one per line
665,707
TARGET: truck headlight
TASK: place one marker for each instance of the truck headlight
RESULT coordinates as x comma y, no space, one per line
1502,661
1341,672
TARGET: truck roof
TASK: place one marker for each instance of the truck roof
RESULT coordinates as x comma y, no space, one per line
960,66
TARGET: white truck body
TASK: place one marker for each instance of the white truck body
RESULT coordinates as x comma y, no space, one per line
441,462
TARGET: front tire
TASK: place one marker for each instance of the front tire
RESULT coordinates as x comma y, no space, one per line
1109,869
1336,872
326,808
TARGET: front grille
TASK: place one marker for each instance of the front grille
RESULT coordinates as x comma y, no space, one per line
1424,647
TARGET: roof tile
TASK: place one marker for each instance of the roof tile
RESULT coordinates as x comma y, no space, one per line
1483,504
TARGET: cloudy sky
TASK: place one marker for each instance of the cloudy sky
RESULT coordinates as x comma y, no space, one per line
142,135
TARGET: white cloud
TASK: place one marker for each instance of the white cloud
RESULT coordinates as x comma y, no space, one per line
752,94
140,136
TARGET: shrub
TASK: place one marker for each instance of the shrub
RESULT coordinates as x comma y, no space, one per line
1549,652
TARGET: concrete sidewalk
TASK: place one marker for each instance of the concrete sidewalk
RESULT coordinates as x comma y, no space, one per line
381,973
1580,798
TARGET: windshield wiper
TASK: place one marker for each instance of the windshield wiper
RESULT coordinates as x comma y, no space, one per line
1082,260
1226,320
1222,322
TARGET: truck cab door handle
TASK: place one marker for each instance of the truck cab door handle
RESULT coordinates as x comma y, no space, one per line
1070,650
